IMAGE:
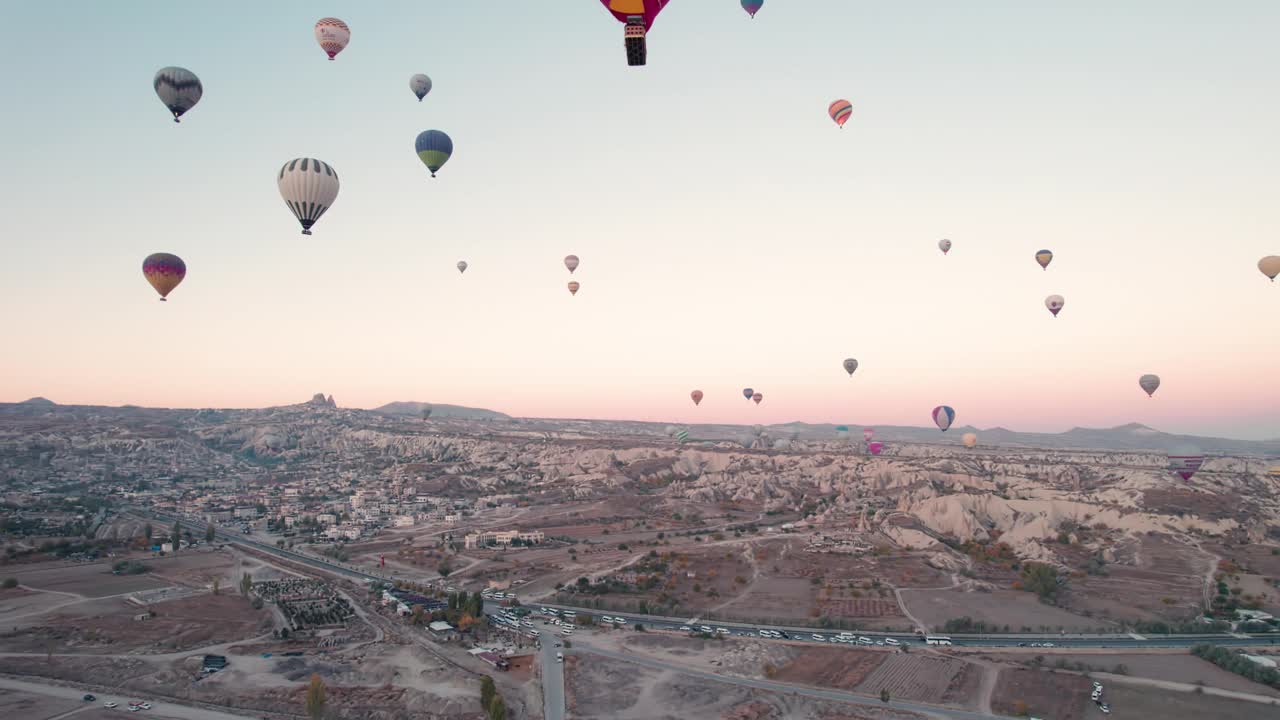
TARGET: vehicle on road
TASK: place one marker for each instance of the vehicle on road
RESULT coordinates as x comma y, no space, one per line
863,640
891,641
937,640
111,704
559,657
89,698
816,636
685,628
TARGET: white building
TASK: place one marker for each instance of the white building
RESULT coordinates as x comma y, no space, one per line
503,538
402,521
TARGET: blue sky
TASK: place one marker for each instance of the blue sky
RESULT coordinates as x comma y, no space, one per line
730,235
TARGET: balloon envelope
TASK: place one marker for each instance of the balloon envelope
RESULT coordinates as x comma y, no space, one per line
573,287
850,365
682,435
462,266
752,6
164,271
697,396
757,397
1185,465
840,110
426,411
420,85
1270,266
434,149
868,433
333,35
943,416
571,262
648,9
1054,303
1044,257
309,187
875,447
944,246
178,88
1149,383
747,393
969,440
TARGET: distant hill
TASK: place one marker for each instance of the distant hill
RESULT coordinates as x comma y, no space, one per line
39,401
414,409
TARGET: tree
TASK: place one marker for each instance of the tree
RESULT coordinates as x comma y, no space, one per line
884,695
316,697
498,708
146,531
216,585
487,691
176,535
418,611
246,584
1040,579
208,533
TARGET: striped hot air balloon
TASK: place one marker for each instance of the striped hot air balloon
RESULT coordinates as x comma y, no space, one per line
571,262
178,88
1044,257
1184,466
752,6
840,110
309,187
164,271
943,416
573,287
333,35
682,435
757,397
434,149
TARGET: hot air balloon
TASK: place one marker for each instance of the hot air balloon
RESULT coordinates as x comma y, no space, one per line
1149,383
1270,266
1184,466
571,262
697,397
1044,257
164,272
682,435
758,430
434,149
875,447
747,393
1054,303
426,411
573,287
945,246
178,88
757,397
309,187
850,365
638,16
969,440
333,35
752,6
840,110
868,433
462,266
842,428
943,416
420,85
746,440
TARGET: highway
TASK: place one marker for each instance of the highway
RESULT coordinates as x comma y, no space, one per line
164,709
815,635
552,681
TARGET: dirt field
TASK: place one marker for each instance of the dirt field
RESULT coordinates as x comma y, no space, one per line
29,706
1165,582
924,678
1016,609
1175,668
87,579
1139,702
1059,696
830,667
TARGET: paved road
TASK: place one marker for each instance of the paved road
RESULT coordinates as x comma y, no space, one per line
552,680
793,633
580,647
182,712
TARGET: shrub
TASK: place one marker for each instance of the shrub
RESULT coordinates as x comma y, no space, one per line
10,583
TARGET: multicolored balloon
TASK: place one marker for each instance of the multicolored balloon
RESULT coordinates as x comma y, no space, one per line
462,266
571,262
1185,465
333,35
420,85
840,110
747,393
1149,383
624,9
1054,303
164,271
434,149
426,411
757,397
868,433
178,88
945,246
573,287
1270,266
1044,257
943,416
697,397
875,447
970,440
850,365
309,187
682,435
752,6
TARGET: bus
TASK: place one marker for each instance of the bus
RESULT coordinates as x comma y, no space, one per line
937,640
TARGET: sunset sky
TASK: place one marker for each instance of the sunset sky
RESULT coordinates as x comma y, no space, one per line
730,234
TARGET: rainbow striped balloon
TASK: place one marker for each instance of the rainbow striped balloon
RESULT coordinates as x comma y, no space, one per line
840,110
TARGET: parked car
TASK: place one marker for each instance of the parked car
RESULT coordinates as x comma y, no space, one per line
89,698
111,704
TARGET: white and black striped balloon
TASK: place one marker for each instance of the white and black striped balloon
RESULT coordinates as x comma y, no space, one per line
309,187
179,89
